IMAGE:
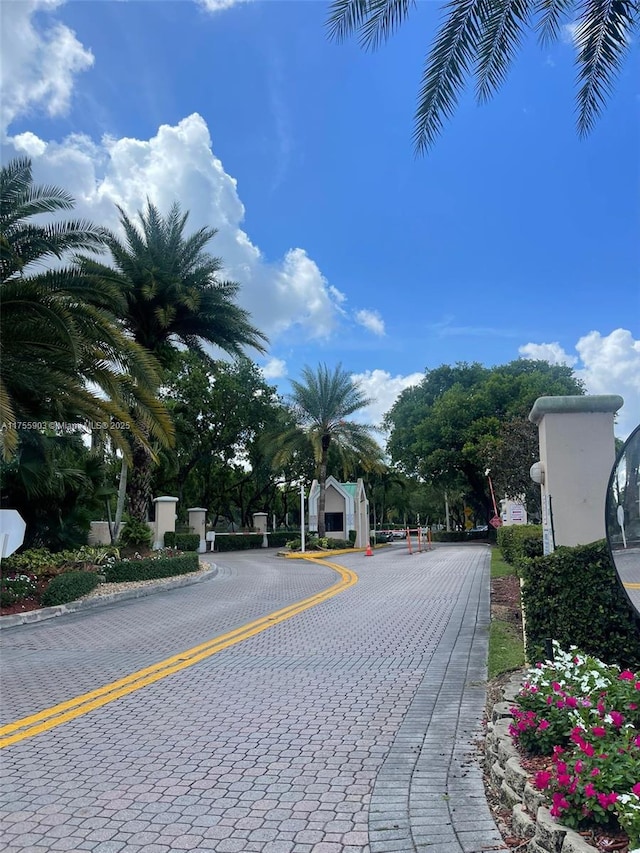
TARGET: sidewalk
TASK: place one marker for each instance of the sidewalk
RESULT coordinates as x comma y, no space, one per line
349,728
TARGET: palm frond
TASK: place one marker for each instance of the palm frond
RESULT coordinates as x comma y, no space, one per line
602,36
551,13
446,67
502,29
384,18
346,17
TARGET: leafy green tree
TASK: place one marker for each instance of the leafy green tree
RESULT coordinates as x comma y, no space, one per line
173,296
442,429
59,338
482,37
321,404
221,411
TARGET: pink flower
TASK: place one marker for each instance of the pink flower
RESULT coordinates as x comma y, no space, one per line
559,805
578,766
606,800
636,789
617,718
626,675
571,702
587,748
564,780
556,687
598,731
543,724
595,771
542,779
633,706
589,790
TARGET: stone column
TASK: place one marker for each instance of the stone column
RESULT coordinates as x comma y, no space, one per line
198,524
260,524
165,520
577,453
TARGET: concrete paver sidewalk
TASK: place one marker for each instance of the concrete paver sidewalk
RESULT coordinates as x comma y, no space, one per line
347,729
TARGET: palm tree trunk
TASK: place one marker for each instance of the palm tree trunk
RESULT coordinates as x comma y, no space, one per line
139,485
322,480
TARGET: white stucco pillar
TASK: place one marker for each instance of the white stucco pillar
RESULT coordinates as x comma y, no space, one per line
165,519
260,524
198,525
577,452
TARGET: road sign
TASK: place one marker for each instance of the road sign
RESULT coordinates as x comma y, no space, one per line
12,528
496,521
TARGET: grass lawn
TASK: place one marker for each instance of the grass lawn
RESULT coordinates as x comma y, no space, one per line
506,647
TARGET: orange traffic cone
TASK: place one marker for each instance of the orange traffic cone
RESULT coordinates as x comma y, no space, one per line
368,552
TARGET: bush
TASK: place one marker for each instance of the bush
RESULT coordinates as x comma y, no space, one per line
136,533
574,596
519,540
16,587
279,539
352,537
151,568
182,541
69,587
238,542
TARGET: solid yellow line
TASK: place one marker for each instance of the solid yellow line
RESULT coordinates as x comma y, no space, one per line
71,709
632,585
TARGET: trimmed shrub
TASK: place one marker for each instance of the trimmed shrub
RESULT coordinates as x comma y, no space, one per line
279,539
151,568
238,542
352,537
69,587
16,587
452,536
135,533
519,540
182,541
574,597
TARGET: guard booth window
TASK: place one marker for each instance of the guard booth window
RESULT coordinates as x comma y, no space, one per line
334,522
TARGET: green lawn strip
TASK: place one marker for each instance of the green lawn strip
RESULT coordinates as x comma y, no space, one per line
498,566
506,646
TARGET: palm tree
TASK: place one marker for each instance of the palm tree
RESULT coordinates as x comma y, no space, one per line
173,297
321,404
64,357
484,35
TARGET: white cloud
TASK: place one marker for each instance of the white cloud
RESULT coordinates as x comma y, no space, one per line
607,364
275,368
178,163
39,61
553,353
384,389
569,33
371,320
219,5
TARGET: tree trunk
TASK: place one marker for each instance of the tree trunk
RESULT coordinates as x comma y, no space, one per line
139,486
322,480
114,530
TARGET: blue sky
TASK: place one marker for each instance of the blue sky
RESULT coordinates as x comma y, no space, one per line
512,238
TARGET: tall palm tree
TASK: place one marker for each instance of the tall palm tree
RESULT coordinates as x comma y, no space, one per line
484,36
321,404
63,354
173,297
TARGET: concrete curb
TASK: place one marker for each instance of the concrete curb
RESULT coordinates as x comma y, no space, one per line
32,616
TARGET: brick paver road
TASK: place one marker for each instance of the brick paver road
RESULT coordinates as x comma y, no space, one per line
349,728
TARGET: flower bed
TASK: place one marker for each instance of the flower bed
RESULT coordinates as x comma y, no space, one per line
570,739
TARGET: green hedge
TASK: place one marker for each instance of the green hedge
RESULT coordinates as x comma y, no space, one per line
239,542
182,541
574,596
517,541
151,568
69,587
457,535
279,539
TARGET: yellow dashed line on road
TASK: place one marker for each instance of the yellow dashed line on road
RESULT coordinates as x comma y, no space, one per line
65,711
